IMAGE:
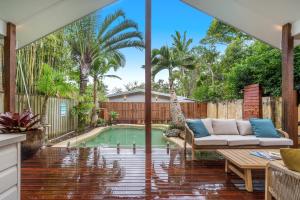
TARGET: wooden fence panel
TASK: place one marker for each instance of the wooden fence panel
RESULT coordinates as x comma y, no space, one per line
133,112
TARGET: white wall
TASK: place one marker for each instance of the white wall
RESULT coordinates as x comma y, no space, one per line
2,27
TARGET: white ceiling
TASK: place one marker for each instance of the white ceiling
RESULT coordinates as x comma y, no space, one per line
37,18
262,19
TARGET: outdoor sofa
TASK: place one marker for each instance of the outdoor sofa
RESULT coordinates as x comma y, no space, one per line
232,134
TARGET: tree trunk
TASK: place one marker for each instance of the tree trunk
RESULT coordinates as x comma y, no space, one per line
94,111
44,119
84,73
177,118
44,111
85,66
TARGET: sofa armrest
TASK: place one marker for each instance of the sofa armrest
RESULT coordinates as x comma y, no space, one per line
283,133
189,135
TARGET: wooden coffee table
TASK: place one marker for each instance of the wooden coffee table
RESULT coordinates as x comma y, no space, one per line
240,162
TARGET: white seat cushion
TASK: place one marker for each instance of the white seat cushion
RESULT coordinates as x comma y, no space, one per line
212,140
225,127
239,140
275,142
208,124
244,127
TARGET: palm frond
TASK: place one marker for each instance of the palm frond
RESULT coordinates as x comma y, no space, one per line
122,37
110,19
122,26
125,44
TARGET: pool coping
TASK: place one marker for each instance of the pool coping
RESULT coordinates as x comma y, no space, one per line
93,133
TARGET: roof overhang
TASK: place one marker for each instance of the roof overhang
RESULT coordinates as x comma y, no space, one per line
37,18
262,19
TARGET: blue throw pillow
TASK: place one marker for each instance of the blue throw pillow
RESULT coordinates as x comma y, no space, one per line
264,128
198,128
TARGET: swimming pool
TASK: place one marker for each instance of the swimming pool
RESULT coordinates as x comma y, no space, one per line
126,137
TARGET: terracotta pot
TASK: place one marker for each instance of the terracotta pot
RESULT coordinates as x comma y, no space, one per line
33,142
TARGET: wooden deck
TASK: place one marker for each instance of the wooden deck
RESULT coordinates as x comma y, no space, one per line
94,173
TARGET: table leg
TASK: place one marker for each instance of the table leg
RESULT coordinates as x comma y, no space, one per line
227,169
268,195
248,180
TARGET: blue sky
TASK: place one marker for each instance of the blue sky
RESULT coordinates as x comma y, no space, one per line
167,17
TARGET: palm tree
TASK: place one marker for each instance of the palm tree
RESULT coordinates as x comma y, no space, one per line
182,46
88,40
51,83
99,68
173,60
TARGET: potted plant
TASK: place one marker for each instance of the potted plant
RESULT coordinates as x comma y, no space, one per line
23,123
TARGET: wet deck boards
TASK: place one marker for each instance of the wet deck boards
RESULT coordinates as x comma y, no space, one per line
94,173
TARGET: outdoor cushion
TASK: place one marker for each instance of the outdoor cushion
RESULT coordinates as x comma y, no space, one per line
264,128
198,128
212,140
239,140
208,124
225,127
244,127
275,142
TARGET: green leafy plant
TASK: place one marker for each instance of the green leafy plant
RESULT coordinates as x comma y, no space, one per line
113,116
52,83
101,122
82,110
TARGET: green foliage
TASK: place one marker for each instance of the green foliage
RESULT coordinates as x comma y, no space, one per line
113,115
245,61
52,83
93,38
261,65
177,60
101,122
51,50
222,33
83,110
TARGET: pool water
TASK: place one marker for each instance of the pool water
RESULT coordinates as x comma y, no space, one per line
126,137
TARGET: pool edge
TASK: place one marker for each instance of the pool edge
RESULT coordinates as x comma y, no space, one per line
77,139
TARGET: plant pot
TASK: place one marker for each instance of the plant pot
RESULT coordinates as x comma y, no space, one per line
33,142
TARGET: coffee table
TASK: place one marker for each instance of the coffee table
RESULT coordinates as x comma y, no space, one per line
241,162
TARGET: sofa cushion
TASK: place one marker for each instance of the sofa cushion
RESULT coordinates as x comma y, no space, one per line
275,142
208,124
244,127
264,128
198,128
239,140
225,127
212,140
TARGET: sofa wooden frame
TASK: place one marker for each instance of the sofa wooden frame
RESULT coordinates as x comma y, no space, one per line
189,139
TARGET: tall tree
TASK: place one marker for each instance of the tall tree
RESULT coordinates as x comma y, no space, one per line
173,60
182,46
88,40
52,83
51,50
99,70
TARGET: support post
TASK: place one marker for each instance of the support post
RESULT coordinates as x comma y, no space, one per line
9,68
148,77
289,95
